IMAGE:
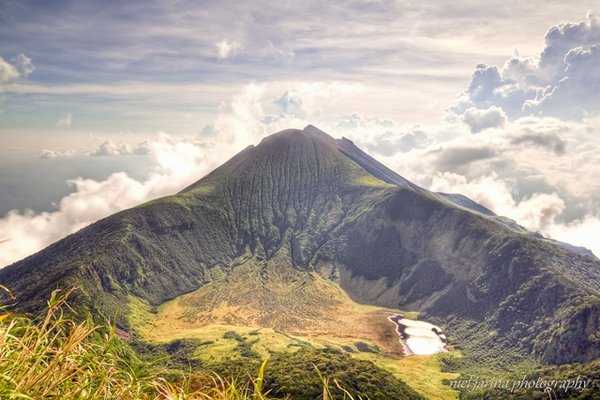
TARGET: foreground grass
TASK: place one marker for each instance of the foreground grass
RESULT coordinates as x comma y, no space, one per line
56,357
422,373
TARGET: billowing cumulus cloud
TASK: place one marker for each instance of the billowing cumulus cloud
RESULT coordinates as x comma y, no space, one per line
549,141
488,88
453,157
381,136
481,119
575,95
562,38
390,143
524,148
563,81
538,166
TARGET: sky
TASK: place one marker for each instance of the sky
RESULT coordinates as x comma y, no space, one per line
104,105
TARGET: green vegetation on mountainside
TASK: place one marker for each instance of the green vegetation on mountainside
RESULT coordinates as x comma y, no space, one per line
308,242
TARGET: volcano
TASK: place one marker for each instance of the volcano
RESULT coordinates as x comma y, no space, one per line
304,238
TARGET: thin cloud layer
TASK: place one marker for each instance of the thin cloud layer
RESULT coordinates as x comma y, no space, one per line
46,154
109,148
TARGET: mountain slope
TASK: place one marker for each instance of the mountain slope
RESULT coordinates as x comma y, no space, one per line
326,207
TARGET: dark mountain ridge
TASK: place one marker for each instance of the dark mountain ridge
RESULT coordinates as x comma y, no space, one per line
332,209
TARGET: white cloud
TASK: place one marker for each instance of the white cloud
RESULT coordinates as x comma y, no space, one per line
549,141
29,232
381,136
20,69
284,54
46,154
24,65
563,81
390,143
575,95
489,89
520,70
560,39
226,48
109,148
482,119
260,109
538,212
582,232
291,103
65,121
239,121
7,71
179,163
307,100
356,121
456,155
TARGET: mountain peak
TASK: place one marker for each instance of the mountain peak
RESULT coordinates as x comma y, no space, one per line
313,129
308,132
